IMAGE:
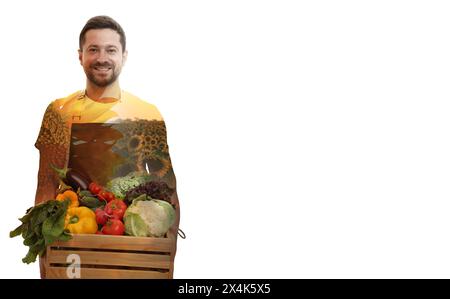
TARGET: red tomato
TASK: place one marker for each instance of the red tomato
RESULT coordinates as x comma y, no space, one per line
113,227
116,208
109,196
102,195
105,195
101,216
94,188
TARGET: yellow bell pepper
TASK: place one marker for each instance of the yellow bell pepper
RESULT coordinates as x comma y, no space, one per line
81,220
72,196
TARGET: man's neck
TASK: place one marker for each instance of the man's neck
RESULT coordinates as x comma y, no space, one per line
106,94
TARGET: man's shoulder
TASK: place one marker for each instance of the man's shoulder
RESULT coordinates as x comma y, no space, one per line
140,107
133,99
58,105
61,101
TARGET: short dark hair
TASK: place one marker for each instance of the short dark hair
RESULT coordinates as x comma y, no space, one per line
103,22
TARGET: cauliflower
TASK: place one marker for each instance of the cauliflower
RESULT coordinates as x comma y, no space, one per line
148,218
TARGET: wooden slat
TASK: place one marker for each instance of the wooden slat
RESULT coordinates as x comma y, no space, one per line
90,273
113,259
119,242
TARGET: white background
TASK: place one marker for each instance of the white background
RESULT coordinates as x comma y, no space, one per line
309,138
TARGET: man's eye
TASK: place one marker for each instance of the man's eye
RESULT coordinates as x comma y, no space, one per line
112,51
93,50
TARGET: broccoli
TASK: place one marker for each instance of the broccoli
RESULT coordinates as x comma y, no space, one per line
121,185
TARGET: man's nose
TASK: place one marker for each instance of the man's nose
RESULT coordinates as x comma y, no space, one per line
102,56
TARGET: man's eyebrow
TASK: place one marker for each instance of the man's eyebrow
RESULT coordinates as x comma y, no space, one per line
106,46
109,46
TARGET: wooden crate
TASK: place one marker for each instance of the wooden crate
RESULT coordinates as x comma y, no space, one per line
103,256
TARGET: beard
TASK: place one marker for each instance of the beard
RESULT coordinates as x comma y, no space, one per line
102,80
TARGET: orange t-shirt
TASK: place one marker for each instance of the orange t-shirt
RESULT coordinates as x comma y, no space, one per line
103,141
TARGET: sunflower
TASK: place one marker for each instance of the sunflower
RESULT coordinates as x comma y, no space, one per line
135,143
155,165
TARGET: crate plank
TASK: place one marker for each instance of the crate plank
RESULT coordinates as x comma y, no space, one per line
90,273
118,242
112,258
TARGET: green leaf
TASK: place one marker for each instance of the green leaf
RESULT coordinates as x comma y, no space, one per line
34,251
30,241
26,218
31,212
65,237
38,230
53,226
30,257
39,218
27,230
17,231
51,209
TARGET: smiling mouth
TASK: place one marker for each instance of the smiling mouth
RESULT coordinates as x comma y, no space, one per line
102,69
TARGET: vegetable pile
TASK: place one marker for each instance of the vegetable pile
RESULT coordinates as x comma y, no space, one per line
84,207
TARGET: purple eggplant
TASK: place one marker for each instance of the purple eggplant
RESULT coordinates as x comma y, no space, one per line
73,178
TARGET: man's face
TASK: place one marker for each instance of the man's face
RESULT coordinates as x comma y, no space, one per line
101,56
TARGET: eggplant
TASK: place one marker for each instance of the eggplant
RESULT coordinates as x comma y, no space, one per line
73,178
77,180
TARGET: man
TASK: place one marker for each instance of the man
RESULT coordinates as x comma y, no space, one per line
103,131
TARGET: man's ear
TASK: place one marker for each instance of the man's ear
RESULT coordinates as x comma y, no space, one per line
125,56
80,56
